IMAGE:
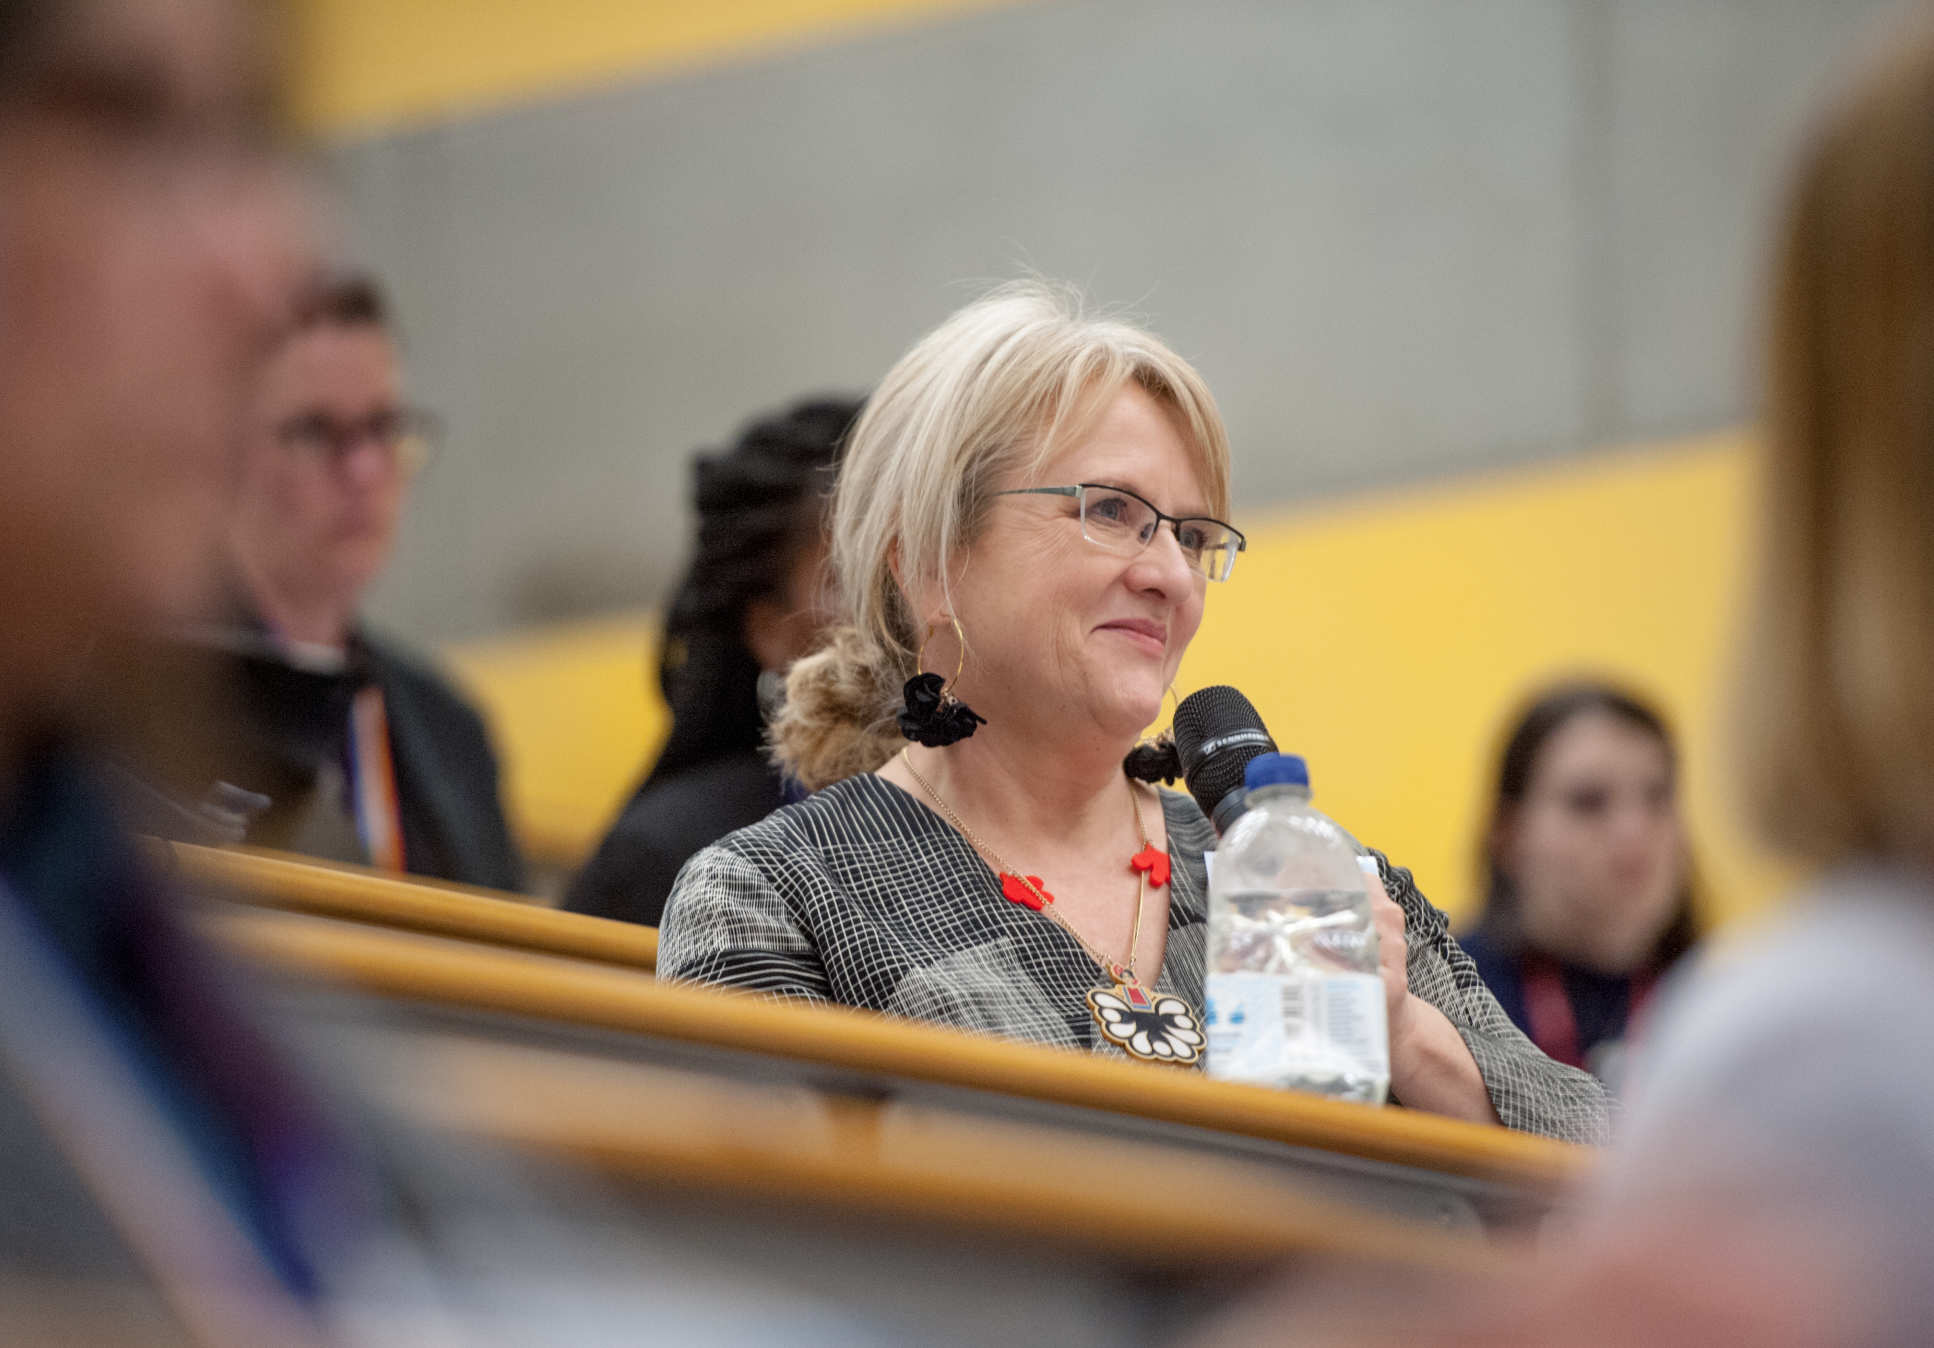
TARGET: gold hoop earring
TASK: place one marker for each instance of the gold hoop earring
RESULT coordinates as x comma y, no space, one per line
931,714
960,665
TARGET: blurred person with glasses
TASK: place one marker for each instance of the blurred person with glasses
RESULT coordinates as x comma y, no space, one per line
1027,523
313,733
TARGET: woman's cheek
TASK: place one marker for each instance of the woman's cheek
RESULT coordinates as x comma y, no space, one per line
1190,623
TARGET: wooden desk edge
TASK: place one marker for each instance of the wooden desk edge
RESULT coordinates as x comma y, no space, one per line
358,893
439,971
678,1128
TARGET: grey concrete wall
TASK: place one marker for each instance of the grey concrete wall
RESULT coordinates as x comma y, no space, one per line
1402,239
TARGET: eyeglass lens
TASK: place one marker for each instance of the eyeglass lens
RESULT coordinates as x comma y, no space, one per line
402,432
1126,523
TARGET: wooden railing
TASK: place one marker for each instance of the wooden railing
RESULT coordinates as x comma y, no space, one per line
483,977
768,1146
796,1119
267,879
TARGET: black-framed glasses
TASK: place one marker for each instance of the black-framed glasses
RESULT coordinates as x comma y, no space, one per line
407,435
1123,522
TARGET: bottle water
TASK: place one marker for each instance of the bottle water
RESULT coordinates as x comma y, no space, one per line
1294,996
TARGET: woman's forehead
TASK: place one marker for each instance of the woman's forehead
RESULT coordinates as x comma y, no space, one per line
1132,440
1598,741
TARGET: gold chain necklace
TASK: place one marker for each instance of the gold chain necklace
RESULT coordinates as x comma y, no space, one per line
1155,1027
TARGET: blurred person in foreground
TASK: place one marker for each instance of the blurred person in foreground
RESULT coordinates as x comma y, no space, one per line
753,600
167,1173
149,241
1774,1179
357,749
1027,522
1588,895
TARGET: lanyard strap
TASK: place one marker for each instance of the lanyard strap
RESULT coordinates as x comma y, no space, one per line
1552,1023
372,781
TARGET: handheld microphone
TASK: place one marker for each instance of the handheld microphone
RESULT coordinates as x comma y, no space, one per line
1217,732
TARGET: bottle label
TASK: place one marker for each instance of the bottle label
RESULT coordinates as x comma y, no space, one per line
1301,1029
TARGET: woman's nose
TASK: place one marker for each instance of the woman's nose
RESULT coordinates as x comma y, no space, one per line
1162,565
1636,823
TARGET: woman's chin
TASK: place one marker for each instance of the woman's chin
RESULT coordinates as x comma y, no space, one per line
1129,713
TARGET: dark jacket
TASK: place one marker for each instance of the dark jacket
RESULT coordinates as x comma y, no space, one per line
446,776
107,998
1602,1006
227,707
670,818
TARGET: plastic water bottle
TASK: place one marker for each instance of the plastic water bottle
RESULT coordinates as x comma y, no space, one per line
1294,996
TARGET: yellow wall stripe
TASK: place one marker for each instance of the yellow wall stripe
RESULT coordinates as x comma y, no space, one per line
365,65
1386,638
1389,639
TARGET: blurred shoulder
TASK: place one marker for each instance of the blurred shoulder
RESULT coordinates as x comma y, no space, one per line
1822,1016
862,811
1859,944
411,675
742,788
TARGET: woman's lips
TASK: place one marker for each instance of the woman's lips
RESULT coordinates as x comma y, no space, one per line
1151,636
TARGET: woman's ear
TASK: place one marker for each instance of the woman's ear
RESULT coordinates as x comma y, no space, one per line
923,605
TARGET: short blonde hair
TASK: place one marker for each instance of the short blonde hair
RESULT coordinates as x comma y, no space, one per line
992,393
1837,710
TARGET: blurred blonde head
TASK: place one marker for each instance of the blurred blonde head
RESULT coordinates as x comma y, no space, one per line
1838,693
985,398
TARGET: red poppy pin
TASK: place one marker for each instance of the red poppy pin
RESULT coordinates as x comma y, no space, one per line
1154,861
1015,890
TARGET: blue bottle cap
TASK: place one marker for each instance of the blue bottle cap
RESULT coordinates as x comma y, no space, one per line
1276,770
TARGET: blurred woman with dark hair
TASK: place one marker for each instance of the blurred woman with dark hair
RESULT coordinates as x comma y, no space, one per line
1588,885
752,601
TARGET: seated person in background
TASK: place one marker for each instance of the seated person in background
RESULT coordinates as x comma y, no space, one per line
1589,894
359,751
752,602
1026,523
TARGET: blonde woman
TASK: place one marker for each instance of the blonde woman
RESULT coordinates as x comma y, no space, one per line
1030,515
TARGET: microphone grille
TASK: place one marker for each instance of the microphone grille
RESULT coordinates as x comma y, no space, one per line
1217,732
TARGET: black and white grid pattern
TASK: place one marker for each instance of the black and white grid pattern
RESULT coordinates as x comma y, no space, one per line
862,895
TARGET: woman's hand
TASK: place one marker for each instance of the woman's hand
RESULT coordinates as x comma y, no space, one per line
1430,1066
1393,951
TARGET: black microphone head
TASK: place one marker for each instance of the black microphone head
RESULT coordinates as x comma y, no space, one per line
1217,732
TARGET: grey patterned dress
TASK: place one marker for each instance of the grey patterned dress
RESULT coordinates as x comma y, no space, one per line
862,895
